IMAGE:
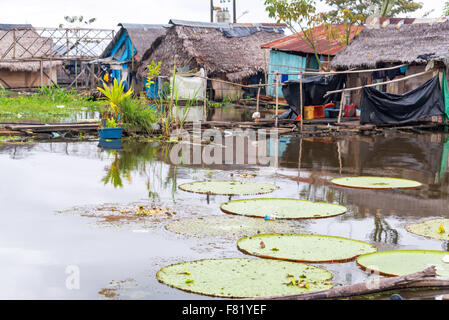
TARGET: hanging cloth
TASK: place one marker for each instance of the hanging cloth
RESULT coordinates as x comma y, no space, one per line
445,93
388,108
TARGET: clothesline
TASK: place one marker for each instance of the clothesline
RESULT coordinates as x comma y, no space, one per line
340,72
379,83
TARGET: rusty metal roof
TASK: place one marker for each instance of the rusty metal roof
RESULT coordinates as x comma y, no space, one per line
324,46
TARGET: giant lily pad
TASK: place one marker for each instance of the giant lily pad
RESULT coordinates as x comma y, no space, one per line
282,208
228,187
380,183
245,278
431,229
227,227
304,247
403,262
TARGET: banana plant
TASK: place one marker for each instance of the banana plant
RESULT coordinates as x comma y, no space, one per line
115,94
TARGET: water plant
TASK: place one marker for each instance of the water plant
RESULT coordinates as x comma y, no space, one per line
282,208
379,183
244,278
403,262
304,247
228,187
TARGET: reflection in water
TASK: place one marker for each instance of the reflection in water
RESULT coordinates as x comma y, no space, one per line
53,176
147,160
383,232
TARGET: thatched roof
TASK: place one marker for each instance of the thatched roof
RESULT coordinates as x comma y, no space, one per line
224,50
407,44
28,45
142,36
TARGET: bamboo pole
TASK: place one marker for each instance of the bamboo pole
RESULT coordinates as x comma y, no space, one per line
42,73
205,97
258,96
379,83
301,102
341,104
277,98
346,72
76,74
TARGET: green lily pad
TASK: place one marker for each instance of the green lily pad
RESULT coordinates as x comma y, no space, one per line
430,229
403,262
282,208
228,187
244,278
304,247
227,227
380,183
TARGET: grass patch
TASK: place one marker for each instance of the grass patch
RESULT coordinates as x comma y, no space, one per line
47,105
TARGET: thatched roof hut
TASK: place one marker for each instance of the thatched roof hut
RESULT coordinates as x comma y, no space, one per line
142,37
411,43
227,51
28,45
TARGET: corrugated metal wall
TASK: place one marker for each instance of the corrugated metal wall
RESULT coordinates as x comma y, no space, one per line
283,62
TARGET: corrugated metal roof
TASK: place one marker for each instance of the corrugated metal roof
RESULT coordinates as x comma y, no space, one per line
216,25
294,43
7,27
143,26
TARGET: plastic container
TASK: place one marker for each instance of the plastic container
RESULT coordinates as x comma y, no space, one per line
318,112
309,112
333,113
349,110
110,133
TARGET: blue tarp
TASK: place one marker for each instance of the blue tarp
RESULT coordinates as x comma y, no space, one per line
124,44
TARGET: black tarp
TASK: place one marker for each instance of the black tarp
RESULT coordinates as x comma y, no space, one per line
387,108
314,89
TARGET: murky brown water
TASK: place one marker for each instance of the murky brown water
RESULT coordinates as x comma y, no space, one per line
39,244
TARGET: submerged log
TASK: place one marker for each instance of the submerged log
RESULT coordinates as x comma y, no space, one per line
423,279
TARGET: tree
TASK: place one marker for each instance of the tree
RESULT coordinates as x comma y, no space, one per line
302,18
446,9
383,8
77,21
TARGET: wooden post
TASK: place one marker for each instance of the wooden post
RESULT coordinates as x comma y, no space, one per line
341,104
76,74
42,73
266,68
14,44
258,95
205,97
301,102
277,98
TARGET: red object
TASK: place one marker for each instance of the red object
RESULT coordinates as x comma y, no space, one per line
350,110
330,105
298,118
318,112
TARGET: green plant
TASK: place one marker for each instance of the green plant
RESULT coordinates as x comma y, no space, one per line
154,70
111,123
137,116
115,94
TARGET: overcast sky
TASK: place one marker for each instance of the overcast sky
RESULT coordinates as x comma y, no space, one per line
50,13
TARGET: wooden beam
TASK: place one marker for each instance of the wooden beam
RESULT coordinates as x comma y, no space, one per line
423,279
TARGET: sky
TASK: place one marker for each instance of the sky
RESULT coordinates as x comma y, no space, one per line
50,13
